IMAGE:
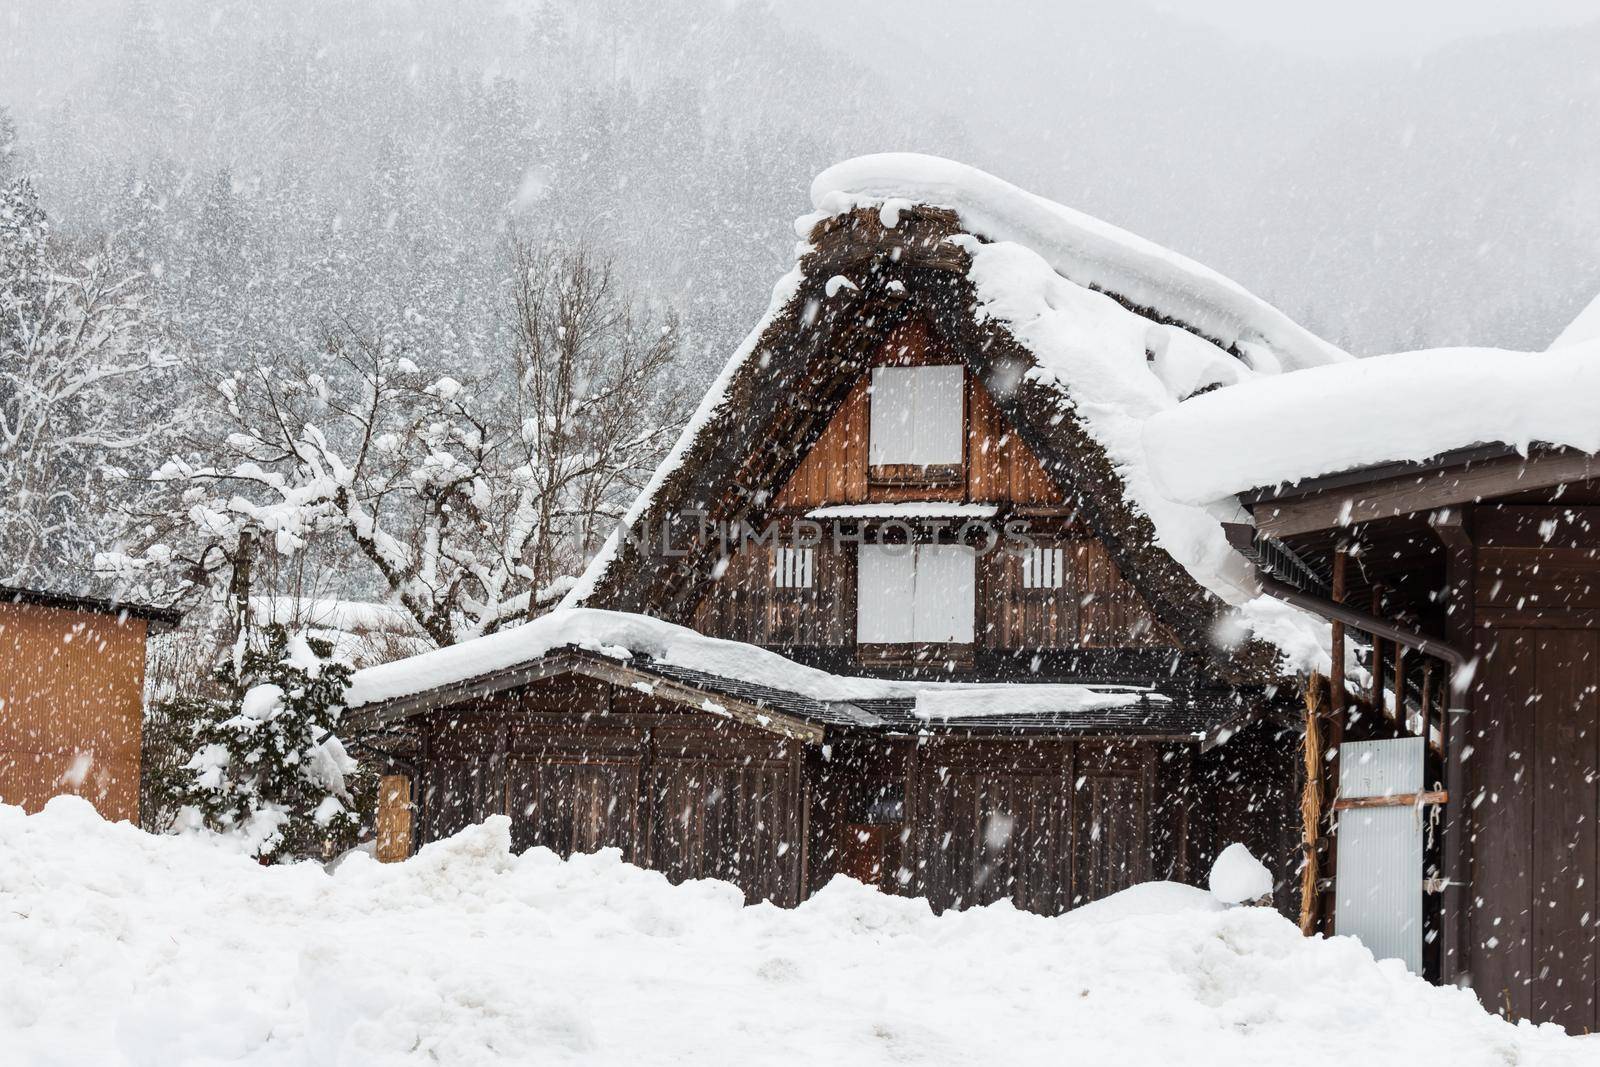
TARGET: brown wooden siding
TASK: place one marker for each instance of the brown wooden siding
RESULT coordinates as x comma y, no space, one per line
744,604
71,704
1536,739
579,766
999,467
1094,608
1045,822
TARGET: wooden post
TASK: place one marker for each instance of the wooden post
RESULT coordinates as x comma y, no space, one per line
1311,801
1335,713
1376,693
393,818
1400,692
1454,529
1336,672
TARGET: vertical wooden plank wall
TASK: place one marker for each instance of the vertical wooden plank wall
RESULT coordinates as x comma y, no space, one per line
71,707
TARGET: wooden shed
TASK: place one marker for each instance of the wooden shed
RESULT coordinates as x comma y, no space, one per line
72,673
1480,566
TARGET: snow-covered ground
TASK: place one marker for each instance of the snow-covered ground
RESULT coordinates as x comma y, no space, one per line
119,947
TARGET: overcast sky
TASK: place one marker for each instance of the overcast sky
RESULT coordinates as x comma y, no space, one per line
1378,27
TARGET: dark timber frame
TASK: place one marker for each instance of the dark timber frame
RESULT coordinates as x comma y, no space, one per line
1494,559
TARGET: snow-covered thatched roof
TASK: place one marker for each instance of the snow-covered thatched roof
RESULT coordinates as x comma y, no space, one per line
1082,249
1117,329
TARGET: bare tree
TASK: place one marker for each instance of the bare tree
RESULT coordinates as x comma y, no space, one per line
468,501
592,403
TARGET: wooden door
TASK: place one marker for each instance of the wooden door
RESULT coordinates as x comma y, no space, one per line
1111,853
984,836
572,805
1536,856
738,819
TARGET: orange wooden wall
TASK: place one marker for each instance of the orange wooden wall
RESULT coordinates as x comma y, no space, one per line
71,707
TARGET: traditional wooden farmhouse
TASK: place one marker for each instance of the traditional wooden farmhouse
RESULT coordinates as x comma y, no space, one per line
72,698
972,578
901,603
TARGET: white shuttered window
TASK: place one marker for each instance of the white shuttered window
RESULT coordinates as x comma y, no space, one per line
915,594
916,416
1042,568
792,567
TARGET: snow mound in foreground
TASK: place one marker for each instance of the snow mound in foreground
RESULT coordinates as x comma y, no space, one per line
120,947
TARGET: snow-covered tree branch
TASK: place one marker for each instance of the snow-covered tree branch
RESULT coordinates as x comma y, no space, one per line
466,501
82,360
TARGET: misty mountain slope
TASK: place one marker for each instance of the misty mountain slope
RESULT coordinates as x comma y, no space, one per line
287,165
1387,203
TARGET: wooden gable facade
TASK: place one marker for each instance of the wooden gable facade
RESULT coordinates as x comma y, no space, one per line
697,774
1088,605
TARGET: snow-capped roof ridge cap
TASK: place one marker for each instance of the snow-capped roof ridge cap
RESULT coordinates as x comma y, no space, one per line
1080,247
1585,327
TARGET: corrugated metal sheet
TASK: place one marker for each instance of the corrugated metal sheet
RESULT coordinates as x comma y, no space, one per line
1379,879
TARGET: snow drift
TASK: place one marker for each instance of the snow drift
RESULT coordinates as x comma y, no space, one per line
120,947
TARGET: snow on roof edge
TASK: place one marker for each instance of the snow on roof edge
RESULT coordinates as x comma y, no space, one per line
1417,405
1083,249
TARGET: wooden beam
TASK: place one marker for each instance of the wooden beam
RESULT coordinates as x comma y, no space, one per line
1341,561
1408,494
1341,616
1397,800
1450,525
762,718
1311,801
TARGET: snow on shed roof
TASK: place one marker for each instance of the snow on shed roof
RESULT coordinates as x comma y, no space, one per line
1079,247
1414,406
624,636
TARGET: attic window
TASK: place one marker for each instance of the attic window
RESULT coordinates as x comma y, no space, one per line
917,422
1043,568
793,568
915,594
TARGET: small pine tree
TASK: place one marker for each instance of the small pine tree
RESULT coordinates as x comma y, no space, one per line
268,766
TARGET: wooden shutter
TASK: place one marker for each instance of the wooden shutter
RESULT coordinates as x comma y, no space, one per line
917,416
884,594
937,425
890,436
945,594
